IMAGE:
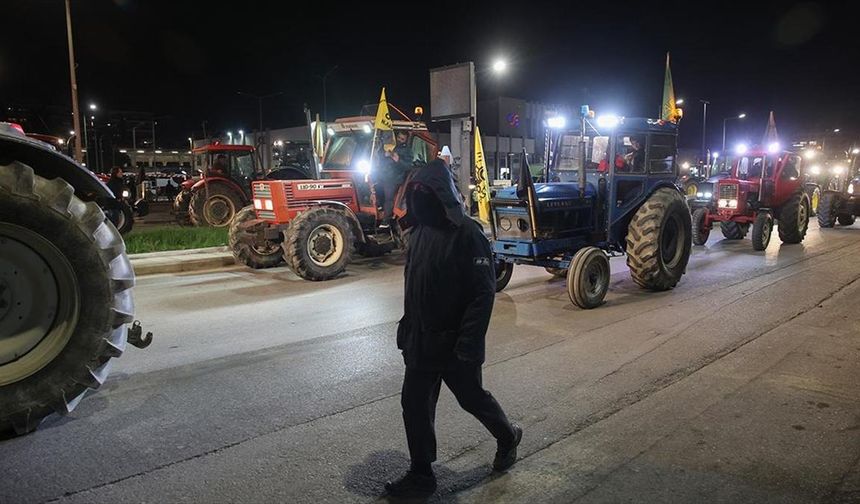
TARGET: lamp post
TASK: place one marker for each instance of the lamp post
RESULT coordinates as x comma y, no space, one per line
76,113
739,116
324,79
260,103
705,104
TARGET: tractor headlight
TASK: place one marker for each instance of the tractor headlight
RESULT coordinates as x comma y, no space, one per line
267,204
851,188
258,204
125,193
364,166
723,203
700,195
733,203
709,195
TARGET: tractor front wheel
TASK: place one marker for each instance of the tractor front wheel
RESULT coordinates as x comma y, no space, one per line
247,248
846,220
504,272
828,209
794,219
588,278
214,206
659,240
700,231
318,244
762,229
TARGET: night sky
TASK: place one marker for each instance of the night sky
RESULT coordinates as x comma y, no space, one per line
185,61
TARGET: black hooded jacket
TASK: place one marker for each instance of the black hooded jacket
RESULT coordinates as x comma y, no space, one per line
450,279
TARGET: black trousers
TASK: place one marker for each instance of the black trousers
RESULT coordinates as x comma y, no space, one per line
421,392
390,184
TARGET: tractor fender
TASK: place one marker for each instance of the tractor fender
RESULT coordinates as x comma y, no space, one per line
50,164
353,219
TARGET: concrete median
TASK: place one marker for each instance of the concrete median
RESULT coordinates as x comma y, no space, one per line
180,261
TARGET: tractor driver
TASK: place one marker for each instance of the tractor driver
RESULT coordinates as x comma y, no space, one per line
219,166
634,160
394,174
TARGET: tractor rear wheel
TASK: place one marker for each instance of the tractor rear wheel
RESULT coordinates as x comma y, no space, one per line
65,297
215,205
762,230
247,249
794,219
659,240
319,243
846,219
504,272
700,231
733,230
588,278
828,209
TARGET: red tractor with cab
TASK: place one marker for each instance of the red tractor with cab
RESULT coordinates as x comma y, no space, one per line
763,186
224,185
314,225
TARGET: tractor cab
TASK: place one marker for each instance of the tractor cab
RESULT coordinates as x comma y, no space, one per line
759,178
348,152
235,163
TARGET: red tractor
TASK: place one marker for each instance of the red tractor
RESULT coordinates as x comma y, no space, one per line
762,186
224,186
314,225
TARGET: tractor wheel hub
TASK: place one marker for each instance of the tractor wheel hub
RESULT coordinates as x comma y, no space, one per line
325,245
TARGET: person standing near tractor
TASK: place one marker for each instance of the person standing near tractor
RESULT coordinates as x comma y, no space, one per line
394,174
448,300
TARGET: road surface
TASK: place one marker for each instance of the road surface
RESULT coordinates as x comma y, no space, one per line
740,385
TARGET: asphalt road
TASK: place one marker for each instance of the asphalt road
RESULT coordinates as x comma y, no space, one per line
740,385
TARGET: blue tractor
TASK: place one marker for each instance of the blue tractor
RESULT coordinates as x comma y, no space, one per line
612,191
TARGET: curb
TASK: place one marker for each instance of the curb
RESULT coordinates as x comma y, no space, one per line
155,263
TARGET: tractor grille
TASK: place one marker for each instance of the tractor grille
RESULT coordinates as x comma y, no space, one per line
262,191
266,214
729,191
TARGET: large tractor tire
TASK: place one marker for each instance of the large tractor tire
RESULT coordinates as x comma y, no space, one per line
588,278
319,243
180,208
828,209
65,297
794,219
215,206
504,272
659,241
247,249
733,230
762,231
699,231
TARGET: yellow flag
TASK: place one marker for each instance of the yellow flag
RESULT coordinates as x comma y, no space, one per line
482,184
669,112
383,118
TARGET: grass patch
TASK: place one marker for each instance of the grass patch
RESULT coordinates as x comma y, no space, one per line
159,239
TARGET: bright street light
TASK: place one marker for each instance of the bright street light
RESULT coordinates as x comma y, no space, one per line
741,115
71,132
93,106
679,101
836,130
608,121
716,155
499,66
727,119
556,122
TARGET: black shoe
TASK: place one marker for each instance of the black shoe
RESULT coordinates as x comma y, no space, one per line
412,485
506,455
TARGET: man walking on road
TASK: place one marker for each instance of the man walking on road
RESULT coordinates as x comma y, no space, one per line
450,289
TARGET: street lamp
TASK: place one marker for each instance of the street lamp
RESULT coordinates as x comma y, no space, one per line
499,66
242,136
93,106
679,101
230,137
739,116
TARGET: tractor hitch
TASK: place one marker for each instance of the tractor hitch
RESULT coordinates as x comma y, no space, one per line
136,338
